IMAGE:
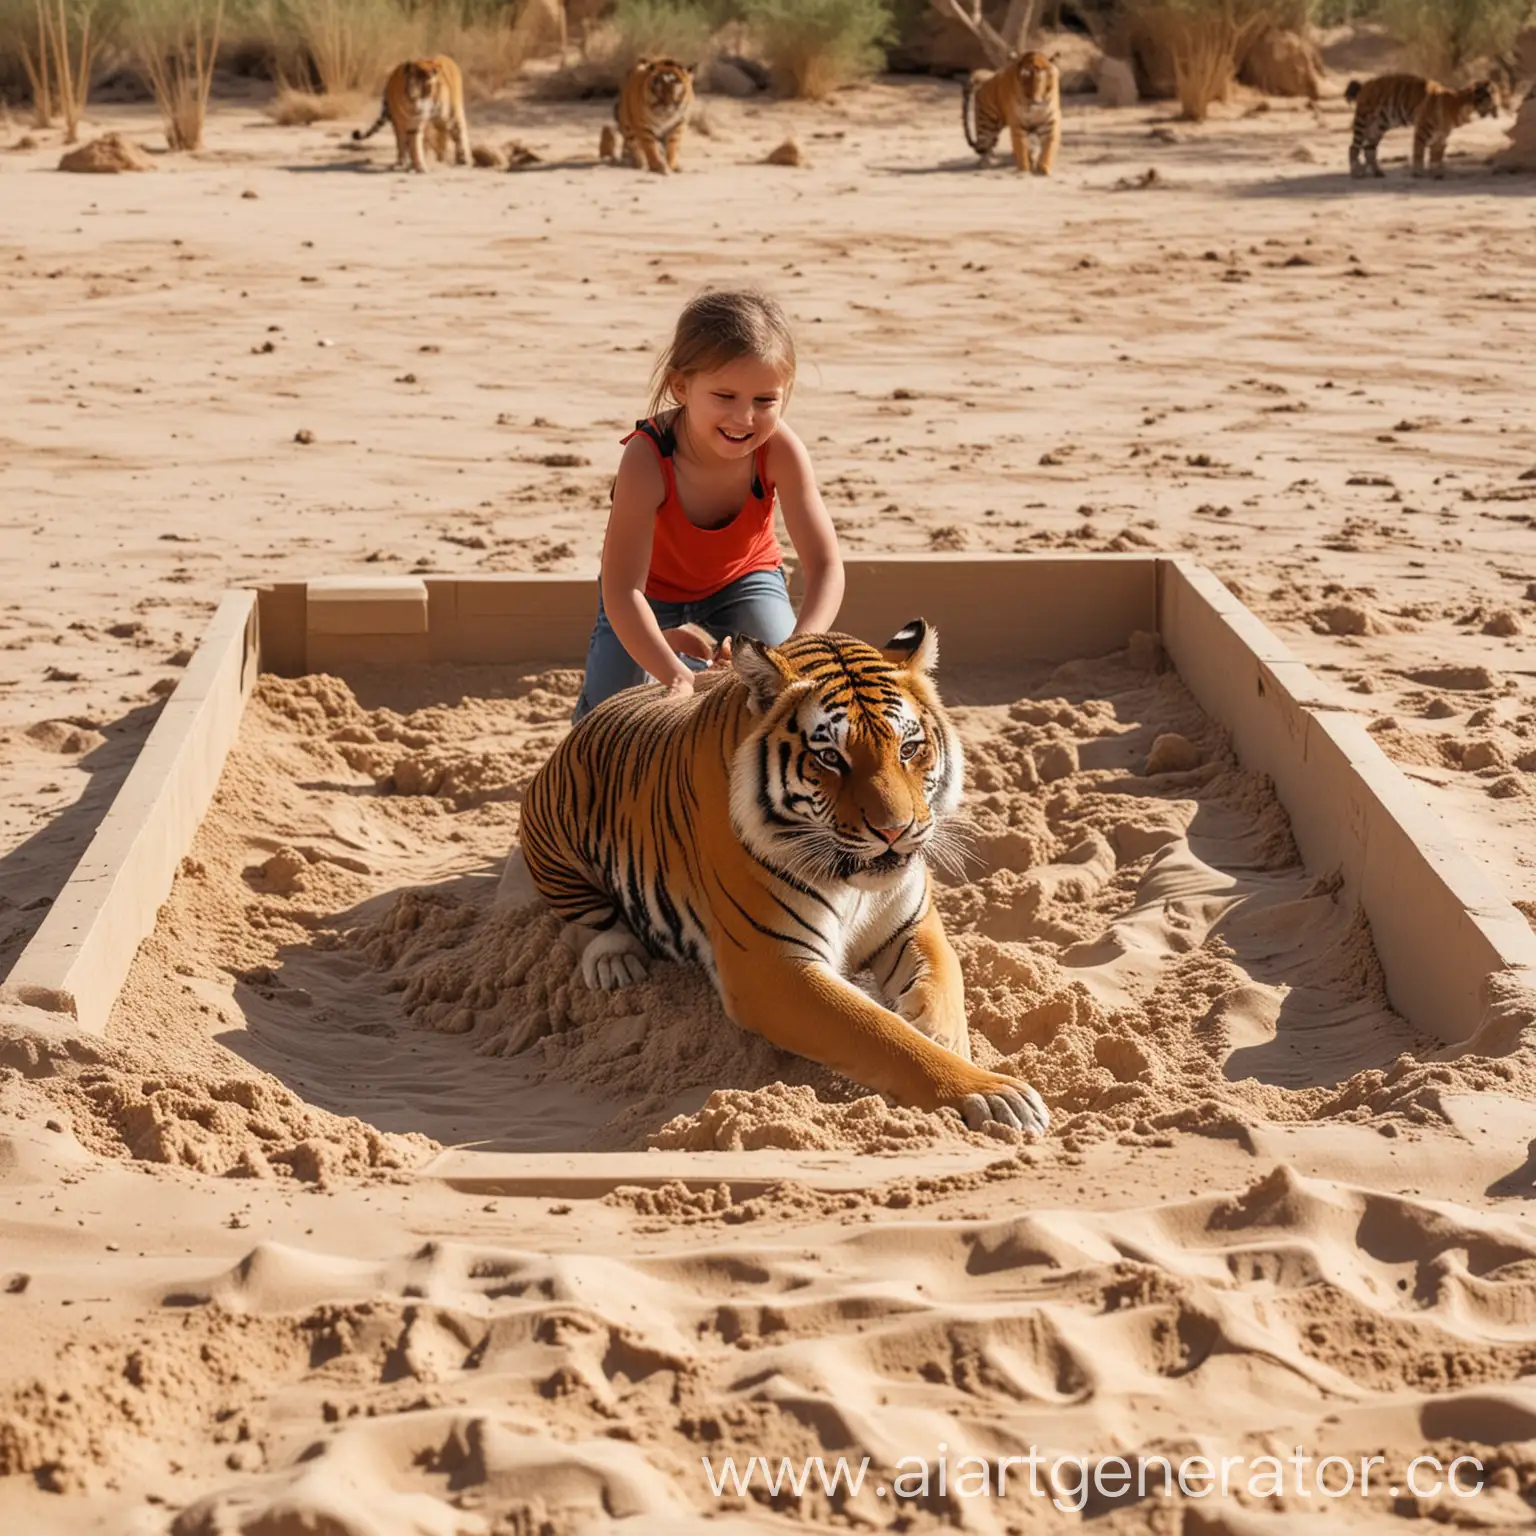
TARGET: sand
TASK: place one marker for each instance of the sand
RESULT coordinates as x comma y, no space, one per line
239,1293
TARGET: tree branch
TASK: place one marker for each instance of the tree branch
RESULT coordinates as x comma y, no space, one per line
993,44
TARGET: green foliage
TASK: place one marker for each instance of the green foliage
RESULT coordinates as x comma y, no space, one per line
815,46
673,29
1445,36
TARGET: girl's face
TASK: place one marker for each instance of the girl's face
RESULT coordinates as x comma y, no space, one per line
732,410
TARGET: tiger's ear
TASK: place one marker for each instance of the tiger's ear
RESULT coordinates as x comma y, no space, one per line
762,669
914,646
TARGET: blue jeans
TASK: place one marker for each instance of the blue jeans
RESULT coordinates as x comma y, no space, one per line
756,604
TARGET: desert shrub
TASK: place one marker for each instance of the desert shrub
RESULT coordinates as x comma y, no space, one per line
340,47
815,46
1445,36
174,44
57,44
638,29
1203,40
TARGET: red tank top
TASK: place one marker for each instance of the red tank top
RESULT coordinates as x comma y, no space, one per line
689,563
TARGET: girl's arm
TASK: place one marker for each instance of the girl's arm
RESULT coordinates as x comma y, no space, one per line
637,493
810,530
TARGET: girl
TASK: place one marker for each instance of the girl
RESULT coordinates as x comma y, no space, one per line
690,556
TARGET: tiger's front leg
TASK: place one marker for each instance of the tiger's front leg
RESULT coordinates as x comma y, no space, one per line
674,145
1050,141
460,132
804,1006
919,974
1420,144
1437,158
652,152
1020,147
418,162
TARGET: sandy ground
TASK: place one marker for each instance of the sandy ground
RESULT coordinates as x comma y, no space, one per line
230,1308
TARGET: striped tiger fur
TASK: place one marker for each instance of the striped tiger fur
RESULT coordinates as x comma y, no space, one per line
1400,101
776,828
652,112
422,95
1025,97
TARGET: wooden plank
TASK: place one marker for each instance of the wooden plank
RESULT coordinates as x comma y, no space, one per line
590,1175
284,611
1440,924
78,959
366,605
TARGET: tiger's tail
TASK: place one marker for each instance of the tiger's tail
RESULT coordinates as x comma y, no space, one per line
1351,90
967,103
359,134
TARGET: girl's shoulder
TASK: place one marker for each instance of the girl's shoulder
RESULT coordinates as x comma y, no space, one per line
640,466
786,452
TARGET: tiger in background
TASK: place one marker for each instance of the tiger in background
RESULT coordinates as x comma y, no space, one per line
652,112
775,828
422,95
1400,101
1024,95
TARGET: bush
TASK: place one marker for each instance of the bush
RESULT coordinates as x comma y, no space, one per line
638,29
341,47
174,43
57,43
1445,36
1203,40
815,46
670,29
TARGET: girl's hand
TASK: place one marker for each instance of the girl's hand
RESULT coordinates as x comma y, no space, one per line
690,640
722,656
681,687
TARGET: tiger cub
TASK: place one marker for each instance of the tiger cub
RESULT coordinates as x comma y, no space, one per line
1398,101
1025,94
422,95
652,111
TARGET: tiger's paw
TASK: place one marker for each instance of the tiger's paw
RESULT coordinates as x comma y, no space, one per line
1005,1101
614,959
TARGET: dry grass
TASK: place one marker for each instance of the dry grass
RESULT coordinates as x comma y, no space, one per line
1445,37
56,43
175,43
294,108
637,29
814,47
1205,39
342,47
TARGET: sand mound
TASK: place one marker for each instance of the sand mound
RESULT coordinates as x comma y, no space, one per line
109,154
787,153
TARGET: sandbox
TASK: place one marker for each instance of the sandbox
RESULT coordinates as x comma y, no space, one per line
378,982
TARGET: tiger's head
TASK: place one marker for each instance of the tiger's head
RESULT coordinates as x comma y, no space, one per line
418,79
668,84
1484,101
853,767
1037,76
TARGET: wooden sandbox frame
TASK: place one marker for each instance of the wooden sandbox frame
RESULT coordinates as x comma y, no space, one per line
1441,925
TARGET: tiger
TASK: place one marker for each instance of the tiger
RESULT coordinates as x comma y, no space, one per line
652,111
1025,94
1396,101
775,828
423,94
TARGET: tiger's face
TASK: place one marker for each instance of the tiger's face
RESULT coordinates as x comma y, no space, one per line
1037,77
1484,103
669,85
419,81
855,767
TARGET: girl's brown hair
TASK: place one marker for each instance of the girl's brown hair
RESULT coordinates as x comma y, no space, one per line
716,329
